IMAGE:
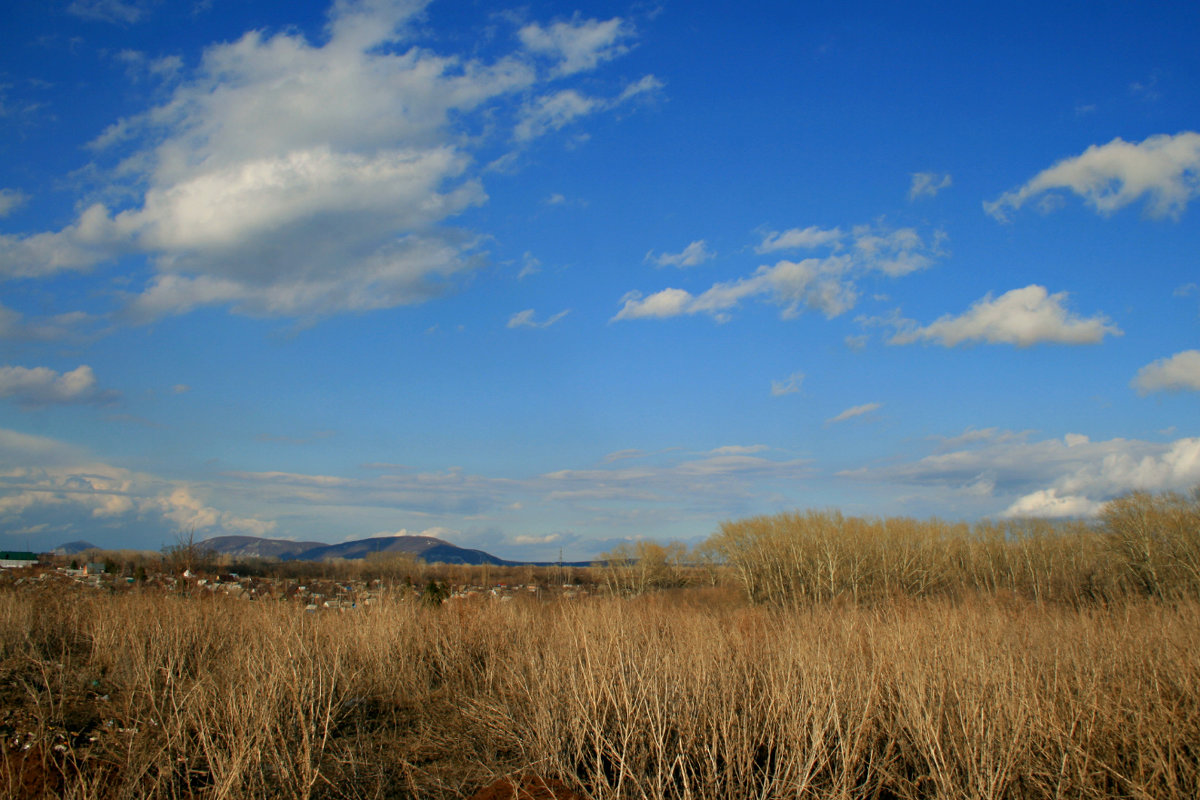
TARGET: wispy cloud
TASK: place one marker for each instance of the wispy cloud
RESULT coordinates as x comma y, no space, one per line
1022,317
525,319
927,184
118,11
1163,169
854,411
824,284
799,239
11,200
578,44
694,254
790,385
551,112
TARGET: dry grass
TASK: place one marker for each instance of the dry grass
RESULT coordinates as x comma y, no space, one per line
1144,545
685,695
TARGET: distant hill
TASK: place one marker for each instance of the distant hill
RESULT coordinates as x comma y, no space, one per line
255,547
71,548
427,548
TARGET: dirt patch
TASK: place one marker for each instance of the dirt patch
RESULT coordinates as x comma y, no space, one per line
527,787
29,775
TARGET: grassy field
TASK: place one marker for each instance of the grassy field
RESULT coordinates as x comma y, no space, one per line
943,685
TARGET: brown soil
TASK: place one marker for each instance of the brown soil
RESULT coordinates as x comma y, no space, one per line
28,774
527,787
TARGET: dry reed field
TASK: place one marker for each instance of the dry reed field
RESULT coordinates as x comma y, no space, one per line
985,676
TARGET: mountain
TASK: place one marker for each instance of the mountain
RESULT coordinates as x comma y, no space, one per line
71,548
426,548
255,547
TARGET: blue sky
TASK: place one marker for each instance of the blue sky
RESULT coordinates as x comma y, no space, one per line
555,276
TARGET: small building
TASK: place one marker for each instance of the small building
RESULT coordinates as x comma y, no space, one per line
12,558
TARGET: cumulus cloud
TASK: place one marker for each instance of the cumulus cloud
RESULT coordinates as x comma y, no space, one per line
927,184
854,411
789,385
283,177
525,319
1048,503
824,284
1177,373
1163,169
1022,317
1123,467
695,253
1068,476
667,303
38,387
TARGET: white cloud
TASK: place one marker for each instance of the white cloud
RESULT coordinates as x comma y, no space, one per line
738,449
14,325
695,253
44,479
854,411
1048,503
1022,317
1053,477
1163,169
621,455
287,178
11,200
549,538
552,112
48,483
525,319
529,266
667,303
577,45
1179,372
790,385
824,284
813,284
927,184
38,387
78,246
799,239
1123,467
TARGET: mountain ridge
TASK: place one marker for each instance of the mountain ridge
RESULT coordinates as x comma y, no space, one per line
427,548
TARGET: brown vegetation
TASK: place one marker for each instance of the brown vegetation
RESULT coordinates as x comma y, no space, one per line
935,667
